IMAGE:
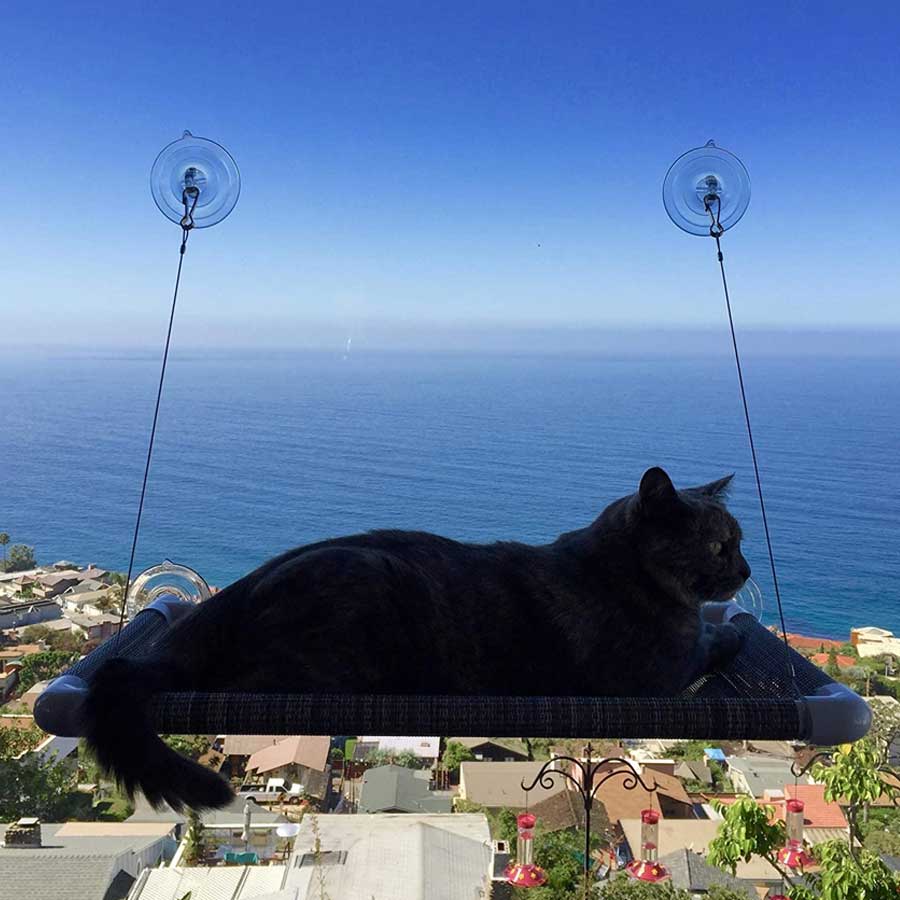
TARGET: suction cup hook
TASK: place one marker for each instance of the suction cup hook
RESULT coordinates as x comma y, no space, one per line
167,578
195,182
750,599
706,191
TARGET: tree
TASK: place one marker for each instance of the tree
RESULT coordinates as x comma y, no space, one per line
44,666
854,780
745,832
191,745
455,754
405,758
844,876
34,634
845,872
624,888
19,559
29,788
193,839
4,540
831,667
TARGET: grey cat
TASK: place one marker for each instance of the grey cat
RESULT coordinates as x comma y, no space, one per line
611,609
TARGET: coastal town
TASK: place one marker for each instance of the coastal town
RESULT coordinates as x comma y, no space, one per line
355,817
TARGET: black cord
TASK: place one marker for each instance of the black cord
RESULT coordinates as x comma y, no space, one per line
186,224
716,231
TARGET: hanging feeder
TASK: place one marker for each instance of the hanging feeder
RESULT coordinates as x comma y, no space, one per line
523,872
793,854
648,867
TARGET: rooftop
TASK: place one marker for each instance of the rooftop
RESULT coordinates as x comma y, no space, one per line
432,857
83,860
496,784
398,789
423,747
302,750
691,872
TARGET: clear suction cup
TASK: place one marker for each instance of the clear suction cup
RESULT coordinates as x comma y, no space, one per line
190,168
706,177
168,578
750,599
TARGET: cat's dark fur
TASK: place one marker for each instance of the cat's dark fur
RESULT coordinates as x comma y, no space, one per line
610,609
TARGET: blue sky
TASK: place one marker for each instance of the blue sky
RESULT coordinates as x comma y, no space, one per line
443,165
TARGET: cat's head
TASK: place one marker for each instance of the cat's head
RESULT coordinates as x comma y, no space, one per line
687,540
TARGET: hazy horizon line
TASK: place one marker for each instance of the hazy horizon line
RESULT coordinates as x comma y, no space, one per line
521,338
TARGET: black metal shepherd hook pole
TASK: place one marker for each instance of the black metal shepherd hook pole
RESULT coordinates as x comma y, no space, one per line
591,776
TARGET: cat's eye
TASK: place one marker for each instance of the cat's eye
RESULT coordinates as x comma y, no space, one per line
715,547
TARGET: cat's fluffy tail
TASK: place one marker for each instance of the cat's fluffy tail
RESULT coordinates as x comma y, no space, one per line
119,734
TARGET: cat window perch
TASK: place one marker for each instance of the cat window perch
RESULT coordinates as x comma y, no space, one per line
768,691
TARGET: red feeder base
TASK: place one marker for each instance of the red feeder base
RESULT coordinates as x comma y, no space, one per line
647,871
795,857
525,876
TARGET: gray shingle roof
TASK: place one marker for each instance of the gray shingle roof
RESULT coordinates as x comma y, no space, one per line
398,789
73,866
691,872
60,878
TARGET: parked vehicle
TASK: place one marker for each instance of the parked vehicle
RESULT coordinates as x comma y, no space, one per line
275,790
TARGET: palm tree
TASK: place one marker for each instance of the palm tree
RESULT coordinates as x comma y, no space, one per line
4,540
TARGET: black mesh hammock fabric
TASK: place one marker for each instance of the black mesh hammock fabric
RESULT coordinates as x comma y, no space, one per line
755,697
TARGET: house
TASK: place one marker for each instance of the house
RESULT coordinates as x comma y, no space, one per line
30,612
300,759
754,775
396,857
802,642
9,678
493,749
694,770
689,871
18,651
565,809
498,785
695,835
80,860
238,748
843,662
212,883
427,749
52,585
396,789
94,628
87,602
403,857
54,749
669,796
872,641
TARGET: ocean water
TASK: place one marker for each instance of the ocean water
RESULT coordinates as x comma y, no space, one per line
258,453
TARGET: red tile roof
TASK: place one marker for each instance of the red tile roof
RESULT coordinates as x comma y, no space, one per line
817,811
844,662
801,642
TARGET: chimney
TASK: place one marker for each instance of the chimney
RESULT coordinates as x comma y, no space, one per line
25,833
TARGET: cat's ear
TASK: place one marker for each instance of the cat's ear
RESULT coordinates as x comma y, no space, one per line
716,490
656,488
